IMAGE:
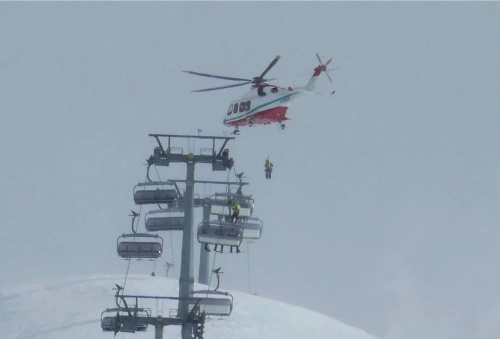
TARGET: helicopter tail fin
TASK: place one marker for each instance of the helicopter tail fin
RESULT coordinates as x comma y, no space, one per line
317,71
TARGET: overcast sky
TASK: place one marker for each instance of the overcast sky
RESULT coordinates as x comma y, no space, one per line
383,207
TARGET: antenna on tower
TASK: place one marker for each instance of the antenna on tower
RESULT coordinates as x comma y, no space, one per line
217,273
168,266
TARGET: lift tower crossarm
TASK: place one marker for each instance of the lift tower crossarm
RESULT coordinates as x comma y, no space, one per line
170,136
219,159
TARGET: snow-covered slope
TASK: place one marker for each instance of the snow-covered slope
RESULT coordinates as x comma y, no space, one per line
71,308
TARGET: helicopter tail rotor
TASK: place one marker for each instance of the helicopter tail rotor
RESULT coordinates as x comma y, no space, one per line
323,66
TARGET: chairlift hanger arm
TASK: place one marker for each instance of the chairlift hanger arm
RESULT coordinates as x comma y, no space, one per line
223,145
126,305
161,146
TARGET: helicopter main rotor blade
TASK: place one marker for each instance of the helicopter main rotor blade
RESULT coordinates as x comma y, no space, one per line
216,76
222,87
271,65
328,75
319,59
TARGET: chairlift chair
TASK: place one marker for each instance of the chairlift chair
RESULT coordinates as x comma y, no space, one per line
221,204
217,232
139,249
222,305
170,219
154,193
122,321
252,228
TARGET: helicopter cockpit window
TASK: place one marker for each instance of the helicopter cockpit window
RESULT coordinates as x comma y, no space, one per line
230,110
274,89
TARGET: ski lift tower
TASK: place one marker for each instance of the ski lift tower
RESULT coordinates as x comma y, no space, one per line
165,154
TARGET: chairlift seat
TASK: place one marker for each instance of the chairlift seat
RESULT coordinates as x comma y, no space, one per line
252,229
171,219
132,325
154,224
122,321
156,196
139,250
220,233
213,306
222,208
109,324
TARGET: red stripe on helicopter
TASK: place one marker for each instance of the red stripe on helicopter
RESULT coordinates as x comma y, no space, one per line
275,114
318,70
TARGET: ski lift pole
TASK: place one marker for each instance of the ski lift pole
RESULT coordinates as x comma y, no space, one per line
203,274
186,280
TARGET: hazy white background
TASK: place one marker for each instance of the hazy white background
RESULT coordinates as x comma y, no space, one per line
383,207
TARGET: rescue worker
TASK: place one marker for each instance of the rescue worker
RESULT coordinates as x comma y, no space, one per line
236,212
268,168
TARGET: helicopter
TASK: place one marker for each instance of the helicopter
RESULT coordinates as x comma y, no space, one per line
265,103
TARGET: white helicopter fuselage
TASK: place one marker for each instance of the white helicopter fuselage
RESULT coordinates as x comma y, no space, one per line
267,104
253,108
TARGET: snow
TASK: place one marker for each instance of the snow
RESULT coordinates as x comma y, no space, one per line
71,308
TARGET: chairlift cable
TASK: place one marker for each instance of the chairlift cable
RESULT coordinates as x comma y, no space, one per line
248,268
154,266
171,237
212,274
126,274
130,260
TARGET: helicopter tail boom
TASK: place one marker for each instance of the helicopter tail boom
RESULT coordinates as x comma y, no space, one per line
317,71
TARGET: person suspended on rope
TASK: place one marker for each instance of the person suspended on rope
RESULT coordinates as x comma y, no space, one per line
236,212
268,168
